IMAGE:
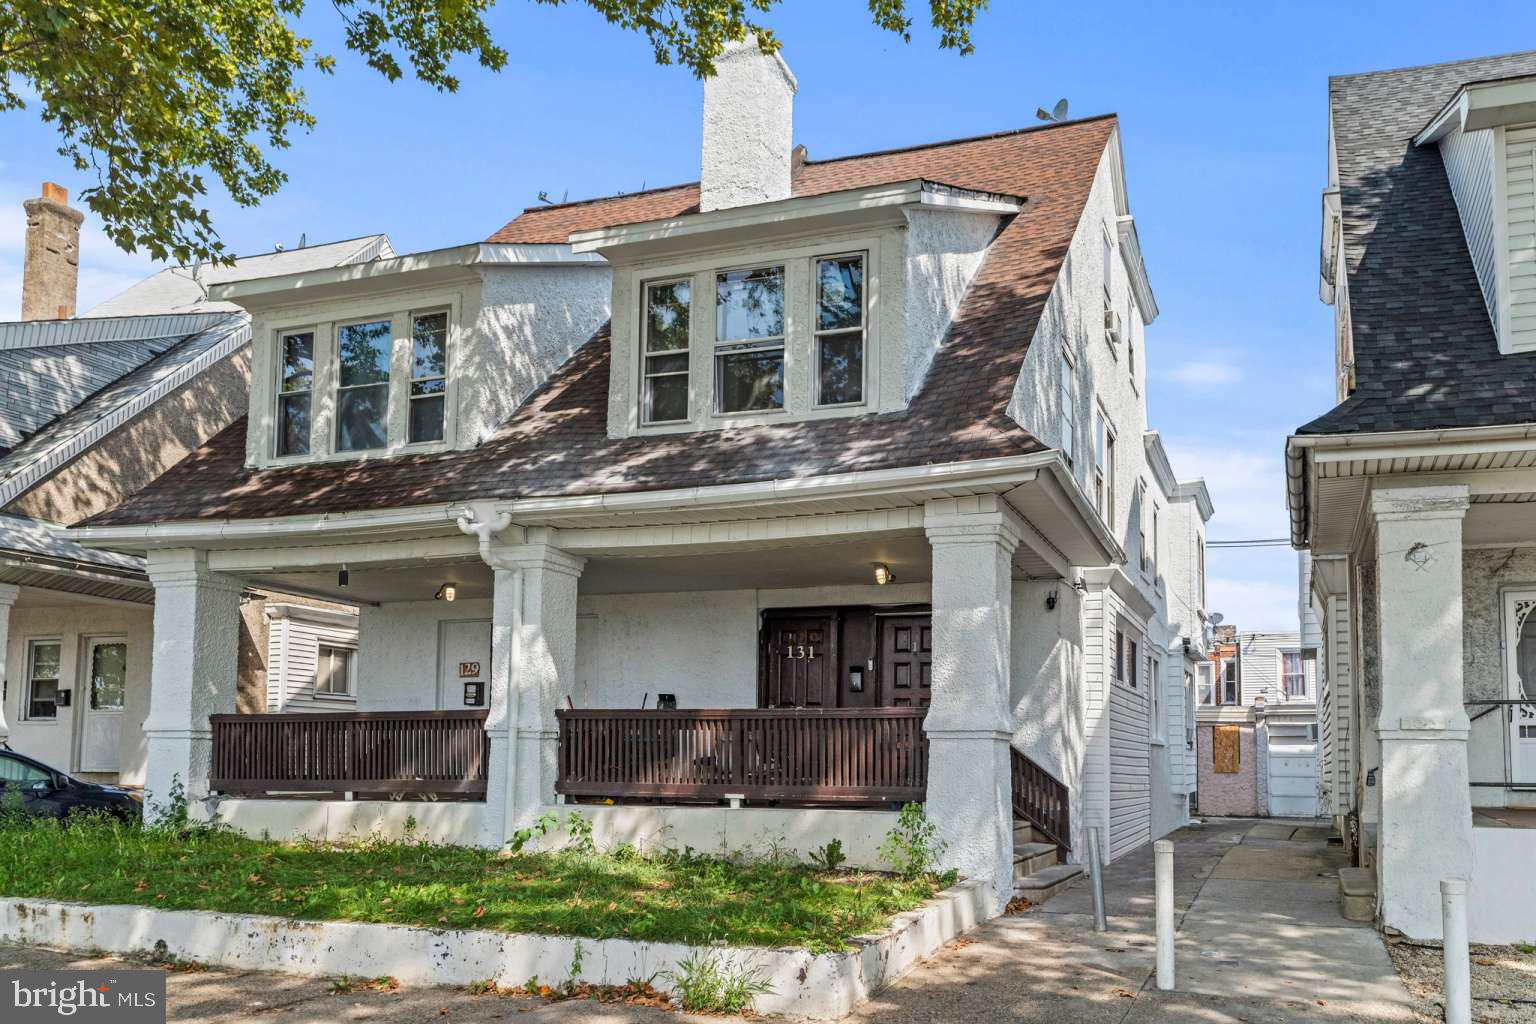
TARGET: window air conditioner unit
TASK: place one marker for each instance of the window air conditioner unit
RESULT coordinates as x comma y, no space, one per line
1112,326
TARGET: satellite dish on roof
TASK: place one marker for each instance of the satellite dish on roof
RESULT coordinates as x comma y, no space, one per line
1217,618
1056,114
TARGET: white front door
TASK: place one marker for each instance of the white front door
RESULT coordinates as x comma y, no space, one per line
105,689
1520,671
463,665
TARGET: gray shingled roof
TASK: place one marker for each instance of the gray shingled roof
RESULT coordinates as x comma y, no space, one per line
1425,352
183,290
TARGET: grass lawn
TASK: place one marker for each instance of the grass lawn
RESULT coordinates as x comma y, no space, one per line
672,897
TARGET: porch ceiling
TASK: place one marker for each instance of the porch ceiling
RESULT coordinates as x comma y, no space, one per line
796,564
371,585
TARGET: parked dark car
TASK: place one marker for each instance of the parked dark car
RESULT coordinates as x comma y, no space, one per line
50,793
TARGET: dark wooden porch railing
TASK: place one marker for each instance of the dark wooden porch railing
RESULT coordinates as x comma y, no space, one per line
1041,800
848,755
439,752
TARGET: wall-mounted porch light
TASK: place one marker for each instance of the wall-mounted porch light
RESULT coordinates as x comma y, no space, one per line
446,592
342,578
883,574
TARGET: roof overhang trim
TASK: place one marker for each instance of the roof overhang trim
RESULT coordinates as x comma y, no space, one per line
862,207
1480,105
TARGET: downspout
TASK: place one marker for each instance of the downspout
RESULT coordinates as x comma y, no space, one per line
482,531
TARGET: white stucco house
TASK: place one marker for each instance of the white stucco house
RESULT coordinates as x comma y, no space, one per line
92,408
749,509
1414,494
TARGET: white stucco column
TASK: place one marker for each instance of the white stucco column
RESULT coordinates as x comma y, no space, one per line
969,725
8,595
1426,819
543,670
506,611
197,637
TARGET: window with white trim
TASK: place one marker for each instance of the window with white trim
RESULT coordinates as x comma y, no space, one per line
1189,710
840,313
333,671
1068,406
1104,469
295,392
429,378
1231,686
1293,672
1155,698
666,324
749,340
1143,499
1207,684
1157,539
1110,335
362,384
43,666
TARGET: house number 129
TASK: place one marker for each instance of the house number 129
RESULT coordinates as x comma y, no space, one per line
800,652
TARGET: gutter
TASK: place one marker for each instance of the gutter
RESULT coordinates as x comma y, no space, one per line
1385,444
442,517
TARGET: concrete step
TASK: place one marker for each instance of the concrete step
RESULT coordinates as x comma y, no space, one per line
1024,832
1047,882
1031,857
1357,894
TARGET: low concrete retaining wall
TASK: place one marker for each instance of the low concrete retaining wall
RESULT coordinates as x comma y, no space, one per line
335,820
1501,898
819,986
720,831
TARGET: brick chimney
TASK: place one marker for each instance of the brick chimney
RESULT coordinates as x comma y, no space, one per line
51,270
748,113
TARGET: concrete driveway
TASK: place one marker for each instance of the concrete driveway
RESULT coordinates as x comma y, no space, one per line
1260,940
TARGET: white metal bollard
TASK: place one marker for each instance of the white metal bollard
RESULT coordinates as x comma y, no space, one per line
1458,964
1096,877
1162,856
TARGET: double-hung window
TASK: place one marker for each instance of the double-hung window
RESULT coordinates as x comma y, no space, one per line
333,671
1207,684
1230,692
1293,674
362,385
749,340
840,330
1155,698
429,377
1156,538
1109,293
1132,662
295,392
668,305
43,679
1104,469
1143,500
1068,406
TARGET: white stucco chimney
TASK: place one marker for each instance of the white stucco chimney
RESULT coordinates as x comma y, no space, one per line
748,112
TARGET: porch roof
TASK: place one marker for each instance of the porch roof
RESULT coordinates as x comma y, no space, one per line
557,444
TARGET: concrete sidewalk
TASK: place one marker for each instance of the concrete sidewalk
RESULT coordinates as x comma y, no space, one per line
1260,940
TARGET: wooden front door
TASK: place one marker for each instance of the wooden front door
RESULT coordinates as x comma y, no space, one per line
800,662
906,656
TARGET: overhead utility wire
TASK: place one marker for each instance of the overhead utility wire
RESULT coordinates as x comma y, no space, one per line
1267,542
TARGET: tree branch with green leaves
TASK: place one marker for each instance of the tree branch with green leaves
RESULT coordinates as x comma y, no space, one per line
155,99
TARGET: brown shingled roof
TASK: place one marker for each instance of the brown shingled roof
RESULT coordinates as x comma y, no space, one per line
557,442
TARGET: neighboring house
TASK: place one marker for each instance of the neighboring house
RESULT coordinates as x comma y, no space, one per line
92,410
846,460
1415,494
1257,722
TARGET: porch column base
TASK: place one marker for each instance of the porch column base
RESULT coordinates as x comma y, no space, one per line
970,801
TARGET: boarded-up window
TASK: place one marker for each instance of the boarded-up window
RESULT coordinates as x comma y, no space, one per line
1224,748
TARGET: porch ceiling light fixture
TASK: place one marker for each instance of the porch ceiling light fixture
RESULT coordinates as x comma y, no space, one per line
883,574
446,592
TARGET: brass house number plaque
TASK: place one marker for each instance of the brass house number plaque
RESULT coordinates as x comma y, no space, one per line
800,652
469,669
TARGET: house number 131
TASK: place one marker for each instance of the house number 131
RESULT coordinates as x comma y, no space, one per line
800,652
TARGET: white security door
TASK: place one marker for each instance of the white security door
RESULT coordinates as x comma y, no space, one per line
1520,671
464,665
105,690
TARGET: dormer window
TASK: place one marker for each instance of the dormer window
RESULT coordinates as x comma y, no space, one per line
429,377
749,340
840,330
362,385
668,309
295,392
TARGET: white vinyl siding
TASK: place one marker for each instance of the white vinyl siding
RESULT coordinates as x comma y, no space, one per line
1520,235
293,648
1468,158
1130,777
1335,711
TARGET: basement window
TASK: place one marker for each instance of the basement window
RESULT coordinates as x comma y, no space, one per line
749,340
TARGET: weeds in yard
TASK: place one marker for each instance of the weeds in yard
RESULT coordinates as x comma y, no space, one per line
707,982
912,847
830,857
668,896
347,984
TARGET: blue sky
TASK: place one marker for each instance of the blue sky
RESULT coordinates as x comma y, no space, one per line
1223,111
